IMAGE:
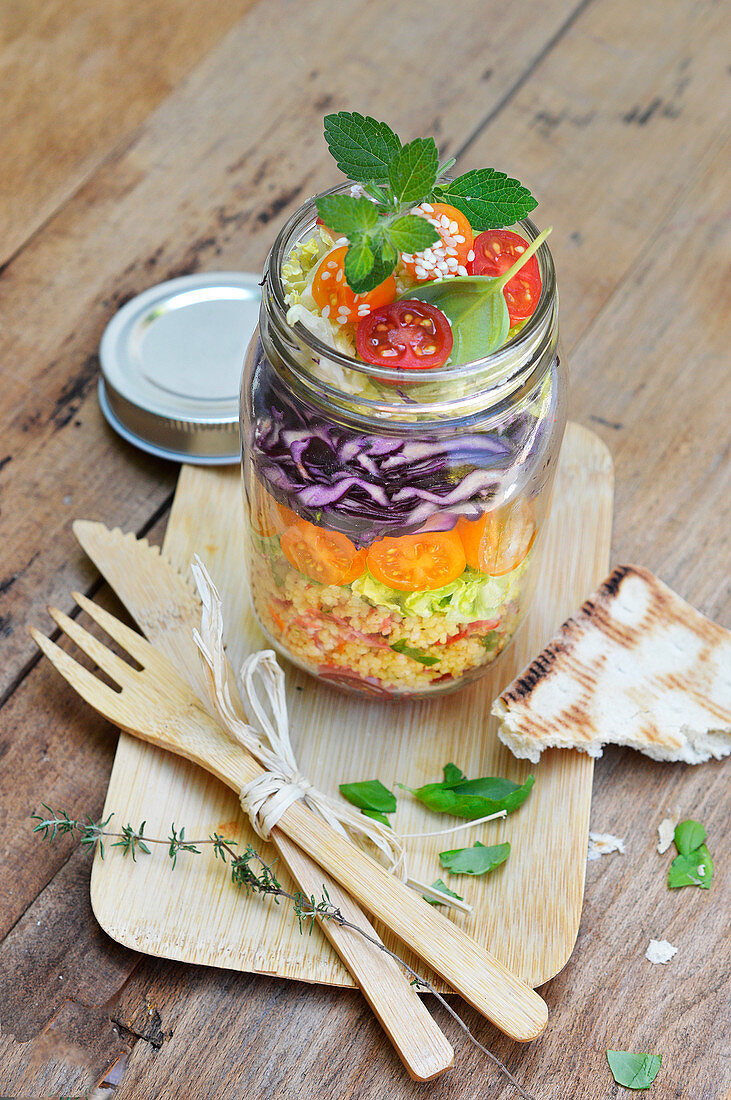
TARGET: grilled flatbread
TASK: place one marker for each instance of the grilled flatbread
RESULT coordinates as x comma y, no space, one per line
635,665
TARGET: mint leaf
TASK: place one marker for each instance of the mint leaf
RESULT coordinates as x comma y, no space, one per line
347,214
633,1071
369,795
415,654
411,233
475,861
412,172
439,885
363,148
377,816
359,264
488,198
473,798
689,835
693,869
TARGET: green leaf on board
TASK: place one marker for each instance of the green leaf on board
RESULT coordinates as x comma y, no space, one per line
369,795
413,170
692,869
453,775
347,214
439,885
363,148
473,798
633,1071
415,654
377,816
490,199
689,835
478,860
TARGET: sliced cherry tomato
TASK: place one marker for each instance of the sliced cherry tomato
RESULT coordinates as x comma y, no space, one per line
496,250
335,298
324,556
268,516
451,254
416,563
409,334
498,541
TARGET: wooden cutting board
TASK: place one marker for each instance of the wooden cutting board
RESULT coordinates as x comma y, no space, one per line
526,912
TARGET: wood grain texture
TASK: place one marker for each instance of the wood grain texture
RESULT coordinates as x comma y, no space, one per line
53,133
612,113
527,914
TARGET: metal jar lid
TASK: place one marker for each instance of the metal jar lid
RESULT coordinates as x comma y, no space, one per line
171,362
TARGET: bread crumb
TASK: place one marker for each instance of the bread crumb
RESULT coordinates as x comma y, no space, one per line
665,833
660,951
602,844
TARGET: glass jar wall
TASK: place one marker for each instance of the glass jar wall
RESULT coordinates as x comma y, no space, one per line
393,526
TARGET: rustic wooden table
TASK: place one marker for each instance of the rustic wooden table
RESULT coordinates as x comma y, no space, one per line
137,146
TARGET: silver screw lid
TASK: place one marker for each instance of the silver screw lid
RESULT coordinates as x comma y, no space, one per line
171,362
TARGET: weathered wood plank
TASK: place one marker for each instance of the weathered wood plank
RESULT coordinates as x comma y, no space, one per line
53,133
214,200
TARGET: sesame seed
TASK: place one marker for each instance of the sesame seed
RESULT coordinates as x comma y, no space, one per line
461,270
444,220
454,228
325,311
420,273
452,263
470,256
339,277
520,248
459,238
332,264
427,207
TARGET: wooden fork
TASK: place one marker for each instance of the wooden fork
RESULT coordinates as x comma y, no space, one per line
157,705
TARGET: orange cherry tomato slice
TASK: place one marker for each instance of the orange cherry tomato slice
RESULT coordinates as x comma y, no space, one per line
417,563
451,254
336,300
325,556
268,516
498,541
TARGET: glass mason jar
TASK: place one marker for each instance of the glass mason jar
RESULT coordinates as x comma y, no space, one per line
393,523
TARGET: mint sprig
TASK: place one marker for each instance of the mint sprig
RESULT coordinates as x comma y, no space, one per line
395,178
488,198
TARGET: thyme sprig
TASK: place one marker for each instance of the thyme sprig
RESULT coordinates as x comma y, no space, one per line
249,871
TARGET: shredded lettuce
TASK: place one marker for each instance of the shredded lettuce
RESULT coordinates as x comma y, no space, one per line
472,597
300,265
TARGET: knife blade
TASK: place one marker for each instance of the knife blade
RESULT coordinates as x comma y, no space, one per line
166,608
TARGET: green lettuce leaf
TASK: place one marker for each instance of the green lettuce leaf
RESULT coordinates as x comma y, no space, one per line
472,597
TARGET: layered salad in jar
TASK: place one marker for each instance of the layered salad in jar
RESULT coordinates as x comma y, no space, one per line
401,415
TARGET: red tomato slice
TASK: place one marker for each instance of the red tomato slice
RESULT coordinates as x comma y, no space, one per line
450,255
496,250
498,541
417,563
325,556
409,334
336,300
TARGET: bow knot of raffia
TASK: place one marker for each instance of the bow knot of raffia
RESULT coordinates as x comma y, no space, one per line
266,736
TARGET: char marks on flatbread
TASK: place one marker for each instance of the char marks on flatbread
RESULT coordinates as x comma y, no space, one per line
635,665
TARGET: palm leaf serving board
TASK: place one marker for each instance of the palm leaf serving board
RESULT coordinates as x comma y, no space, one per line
526,912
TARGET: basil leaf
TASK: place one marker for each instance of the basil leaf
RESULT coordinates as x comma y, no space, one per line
377,816
633,1071
347,214
439,885
475,861
693,869
689,835
412,233
476,309
363,148
474,798
413,170
415,654
488,198
369,795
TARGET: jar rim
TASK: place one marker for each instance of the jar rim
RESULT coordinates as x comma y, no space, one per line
508,365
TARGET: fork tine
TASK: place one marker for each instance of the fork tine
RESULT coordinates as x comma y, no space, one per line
129,639
108,661
97,694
